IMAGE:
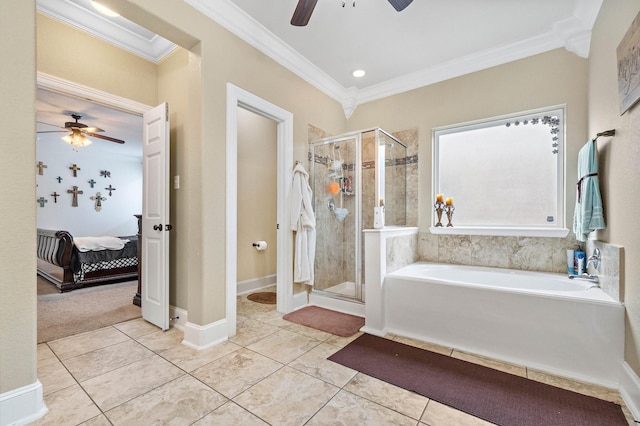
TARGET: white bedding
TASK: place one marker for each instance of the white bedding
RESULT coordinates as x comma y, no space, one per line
99,243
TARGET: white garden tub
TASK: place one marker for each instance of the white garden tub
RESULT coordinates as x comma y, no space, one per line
539,320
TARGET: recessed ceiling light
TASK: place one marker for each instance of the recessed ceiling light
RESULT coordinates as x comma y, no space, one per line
103,9
358,73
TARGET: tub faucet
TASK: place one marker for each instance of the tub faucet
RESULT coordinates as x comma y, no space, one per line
586,277
594,259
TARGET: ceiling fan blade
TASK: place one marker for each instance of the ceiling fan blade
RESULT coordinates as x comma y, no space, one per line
106,138
53,131
91,129
303,12
400,5
82,127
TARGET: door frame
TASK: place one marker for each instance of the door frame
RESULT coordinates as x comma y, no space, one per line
66,87
237,97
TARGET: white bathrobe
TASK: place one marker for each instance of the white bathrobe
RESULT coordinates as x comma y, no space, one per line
303,221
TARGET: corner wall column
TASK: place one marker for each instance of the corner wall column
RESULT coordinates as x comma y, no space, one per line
375,260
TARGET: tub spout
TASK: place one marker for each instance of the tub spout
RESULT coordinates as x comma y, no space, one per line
586,277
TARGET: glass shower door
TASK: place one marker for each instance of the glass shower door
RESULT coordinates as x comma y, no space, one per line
335,189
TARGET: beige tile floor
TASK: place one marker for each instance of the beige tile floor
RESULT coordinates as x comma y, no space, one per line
272,372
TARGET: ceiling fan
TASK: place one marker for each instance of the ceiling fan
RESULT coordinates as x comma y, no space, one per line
304,9
79,131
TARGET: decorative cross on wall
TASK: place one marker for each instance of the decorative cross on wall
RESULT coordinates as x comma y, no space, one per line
110,188
59,179
92,182
55,196
98,198
42,200
75,192
105,173
41,166
75,169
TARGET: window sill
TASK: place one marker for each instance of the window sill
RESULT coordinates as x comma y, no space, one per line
497,231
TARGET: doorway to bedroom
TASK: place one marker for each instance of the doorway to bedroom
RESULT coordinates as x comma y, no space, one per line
91,191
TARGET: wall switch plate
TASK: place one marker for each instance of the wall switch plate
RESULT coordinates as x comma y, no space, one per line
176,182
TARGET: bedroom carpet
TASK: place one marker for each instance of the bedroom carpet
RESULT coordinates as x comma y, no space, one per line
65,314
333,322
489,394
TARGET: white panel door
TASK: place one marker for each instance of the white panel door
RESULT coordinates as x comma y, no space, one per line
155,217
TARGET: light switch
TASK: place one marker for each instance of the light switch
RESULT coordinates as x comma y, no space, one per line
176,182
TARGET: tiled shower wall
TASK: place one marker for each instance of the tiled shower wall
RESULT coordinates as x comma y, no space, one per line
335,245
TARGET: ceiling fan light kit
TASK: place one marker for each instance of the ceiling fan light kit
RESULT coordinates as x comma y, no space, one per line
304,9
76,139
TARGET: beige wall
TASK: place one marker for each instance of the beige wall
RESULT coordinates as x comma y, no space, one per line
225,58
619,158
257,194
64,51
173,87
218,59
551,78
198,268
17,173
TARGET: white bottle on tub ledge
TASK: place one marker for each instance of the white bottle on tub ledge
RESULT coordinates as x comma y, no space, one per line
378,217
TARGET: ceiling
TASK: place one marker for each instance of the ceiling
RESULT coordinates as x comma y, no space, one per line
54,109
428,42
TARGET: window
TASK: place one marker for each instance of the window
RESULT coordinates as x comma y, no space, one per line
505,174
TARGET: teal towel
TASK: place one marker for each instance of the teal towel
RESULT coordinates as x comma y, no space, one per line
588,215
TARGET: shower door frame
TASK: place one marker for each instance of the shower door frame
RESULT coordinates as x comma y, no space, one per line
379,192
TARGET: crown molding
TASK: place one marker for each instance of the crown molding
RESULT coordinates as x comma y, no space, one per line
573,33
234,19
464,65
131,37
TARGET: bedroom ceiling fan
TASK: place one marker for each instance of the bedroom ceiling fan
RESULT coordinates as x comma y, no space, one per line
304,9
80,131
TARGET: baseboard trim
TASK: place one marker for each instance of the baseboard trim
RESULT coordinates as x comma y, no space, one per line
300,300
23,405
178,317
202,337
374,331
630,390
254,284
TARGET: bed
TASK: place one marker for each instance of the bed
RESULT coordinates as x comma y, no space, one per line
63,261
